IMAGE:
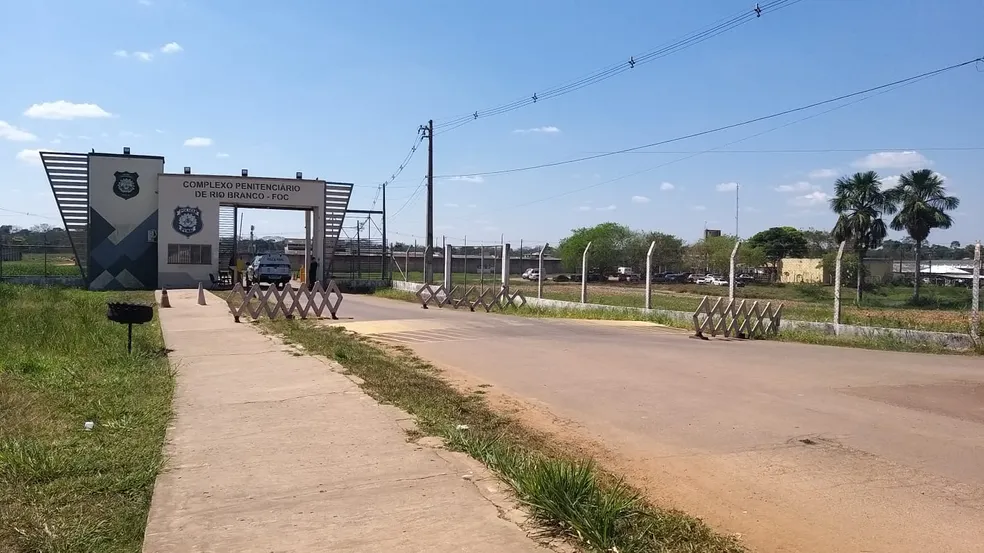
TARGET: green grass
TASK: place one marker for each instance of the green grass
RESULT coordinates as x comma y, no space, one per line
887,343
888,307
36,264
567,496
63,489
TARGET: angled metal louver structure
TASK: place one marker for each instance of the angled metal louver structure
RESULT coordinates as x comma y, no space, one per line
68,175
337,197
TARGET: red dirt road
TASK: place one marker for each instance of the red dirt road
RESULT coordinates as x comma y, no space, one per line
798,448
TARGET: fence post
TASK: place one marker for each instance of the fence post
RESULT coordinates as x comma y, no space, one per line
406,265
837,289
464,271
649,275
481,268
731,271
584,274
539,281
447,268
505,271
975,297
44,247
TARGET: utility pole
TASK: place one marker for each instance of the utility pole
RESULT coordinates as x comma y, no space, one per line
429,251
737,186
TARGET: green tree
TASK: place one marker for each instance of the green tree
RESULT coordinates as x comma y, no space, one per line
818,242
778,243
668,252
610,244
714,254
923,203
859,203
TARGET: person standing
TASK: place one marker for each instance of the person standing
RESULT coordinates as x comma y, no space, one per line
312,275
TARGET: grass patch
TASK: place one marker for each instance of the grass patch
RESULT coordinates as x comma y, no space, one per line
942,309
887,343
881,342
567,496
36,264
62,364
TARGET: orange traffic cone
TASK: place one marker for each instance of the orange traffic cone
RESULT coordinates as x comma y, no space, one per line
164,301
201,294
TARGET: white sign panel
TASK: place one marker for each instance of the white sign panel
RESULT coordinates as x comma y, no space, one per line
243,191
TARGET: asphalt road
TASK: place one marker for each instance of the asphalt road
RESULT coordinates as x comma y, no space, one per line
796,447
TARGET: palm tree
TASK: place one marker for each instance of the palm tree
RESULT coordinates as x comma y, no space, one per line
923,203
860,203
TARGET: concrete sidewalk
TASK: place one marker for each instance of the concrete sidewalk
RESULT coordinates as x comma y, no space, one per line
274,452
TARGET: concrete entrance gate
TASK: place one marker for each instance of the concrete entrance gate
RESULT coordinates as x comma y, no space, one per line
133,226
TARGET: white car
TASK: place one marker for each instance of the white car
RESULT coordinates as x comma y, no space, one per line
270,268
534,274
717,281
526,274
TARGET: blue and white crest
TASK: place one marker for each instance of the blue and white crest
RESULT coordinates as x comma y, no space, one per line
187,220
126,185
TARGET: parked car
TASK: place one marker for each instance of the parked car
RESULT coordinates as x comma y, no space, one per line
270,268
561,278
534,274
716,281
526,273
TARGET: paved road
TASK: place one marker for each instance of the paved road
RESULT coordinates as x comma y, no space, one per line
798,448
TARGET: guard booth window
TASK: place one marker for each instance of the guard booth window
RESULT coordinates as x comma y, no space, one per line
189,254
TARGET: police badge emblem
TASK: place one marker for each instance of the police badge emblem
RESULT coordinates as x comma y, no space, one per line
126,185
187,220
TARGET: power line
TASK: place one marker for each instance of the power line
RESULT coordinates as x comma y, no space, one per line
677,45
29,214
808,151
403,164
883,90
411,197
914,78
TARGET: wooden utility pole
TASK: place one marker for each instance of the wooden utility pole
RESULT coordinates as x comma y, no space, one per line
429,251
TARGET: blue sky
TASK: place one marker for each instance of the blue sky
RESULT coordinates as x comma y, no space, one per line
338,89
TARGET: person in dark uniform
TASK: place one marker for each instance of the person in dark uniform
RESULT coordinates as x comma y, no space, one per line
312,274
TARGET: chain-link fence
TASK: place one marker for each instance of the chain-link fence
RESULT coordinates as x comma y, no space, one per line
42,261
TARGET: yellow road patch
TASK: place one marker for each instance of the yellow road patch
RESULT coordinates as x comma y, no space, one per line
390,326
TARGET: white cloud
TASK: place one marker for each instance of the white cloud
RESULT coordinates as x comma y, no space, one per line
171,48
158,131
889,182
143,56
129,134
546,130
823,173
471,206
801,186
667,186
451,205
63,110
12,133
468,178
121,53
700,208
727,187
640,200
611,207
909,159
84,137
31,157
814,198
751,210
198,142
221,155
56,141
584,208
145,2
